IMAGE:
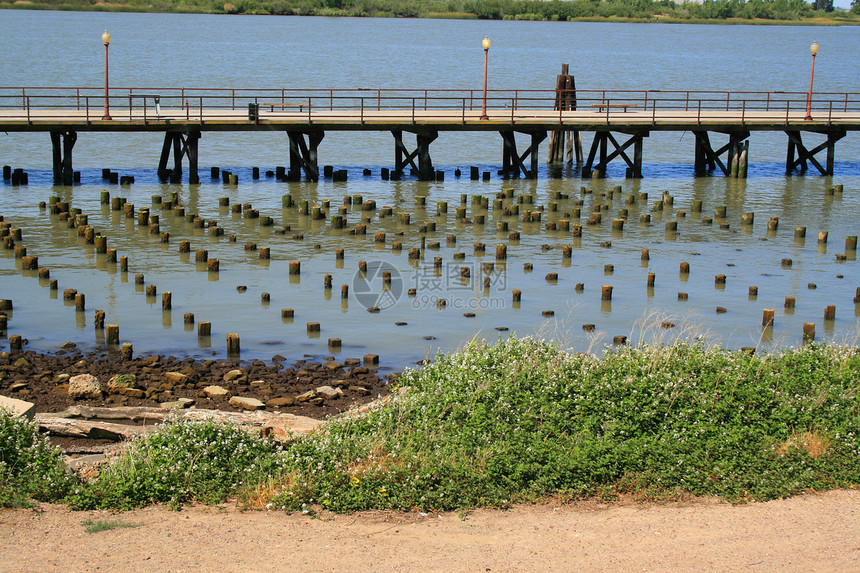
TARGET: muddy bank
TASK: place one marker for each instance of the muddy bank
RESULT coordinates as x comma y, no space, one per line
314,386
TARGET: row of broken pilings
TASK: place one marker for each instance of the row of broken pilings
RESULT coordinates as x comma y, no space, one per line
18,176
15,176
481,202
281,173
442,208
77,219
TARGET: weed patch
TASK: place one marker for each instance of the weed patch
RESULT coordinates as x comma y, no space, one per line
182,462
105,525
521,421
30,467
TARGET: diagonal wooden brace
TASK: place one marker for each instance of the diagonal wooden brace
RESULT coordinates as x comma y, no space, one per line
182,145
600,146
804,155
512,162
707,159
303,153
404,157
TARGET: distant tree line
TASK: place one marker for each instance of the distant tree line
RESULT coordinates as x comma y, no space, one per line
556,10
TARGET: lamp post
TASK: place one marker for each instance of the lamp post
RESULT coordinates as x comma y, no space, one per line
486,44
814,50
106,41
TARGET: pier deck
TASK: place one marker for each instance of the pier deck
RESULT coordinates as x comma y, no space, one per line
181,113
441,120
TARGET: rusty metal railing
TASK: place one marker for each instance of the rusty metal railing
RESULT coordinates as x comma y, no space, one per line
145,105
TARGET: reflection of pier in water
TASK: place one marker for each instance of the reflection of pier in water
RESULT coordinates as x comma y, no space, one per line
619,120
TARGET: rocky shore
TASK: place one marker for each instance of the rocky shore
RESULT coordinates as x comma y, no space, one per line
315,387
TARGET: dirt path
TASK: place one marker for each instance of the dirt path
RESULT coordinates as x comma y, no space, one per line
805,533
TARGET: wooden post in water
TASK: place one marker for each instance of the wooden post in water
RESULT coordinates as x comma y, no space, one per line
565,100
232,344
204,329
112,334
606,292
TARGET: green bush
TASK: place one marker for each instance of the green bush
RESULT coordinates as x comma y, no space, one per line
30,467
184,461
522,420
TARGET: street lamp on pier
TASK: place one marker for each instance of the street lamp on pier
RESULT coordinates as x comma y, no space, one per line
106,41
814,50
486,44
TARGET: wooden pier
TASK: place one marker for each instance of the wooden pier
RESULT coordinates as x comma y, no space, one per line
619,121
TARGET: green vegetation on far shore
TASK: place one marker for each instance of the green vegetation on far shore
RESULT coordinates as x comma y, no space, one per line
820,12
518,421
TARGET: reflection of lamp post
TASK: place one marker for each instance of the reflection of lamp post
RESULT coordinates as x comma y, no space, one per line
486,44
814,49
106,40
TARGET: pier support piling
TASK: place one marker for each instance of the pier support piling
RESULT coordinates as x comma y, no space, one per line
600,146
181,145
63,171
798,155
565,100
707,159
404,157
303,154
512,162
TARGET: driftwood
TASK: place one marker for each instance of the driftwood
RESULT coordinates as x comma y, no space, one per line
129,413
74,428
88,422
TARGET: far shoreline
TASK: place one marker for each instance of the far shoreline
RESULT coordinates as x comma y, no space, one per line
842,18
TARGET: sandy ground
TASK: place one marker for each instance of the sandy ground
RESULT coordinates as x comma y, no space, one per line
805,533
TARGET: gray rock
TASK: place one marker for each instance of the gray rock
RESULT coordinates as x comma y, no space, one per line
215,391
85,386
306,396
176,377
232,375
131,392
18,408
280,402
80,462
329,393
246,403
121,382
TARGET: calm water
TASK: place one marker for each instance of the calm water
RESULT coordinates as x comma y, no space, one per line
45,48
